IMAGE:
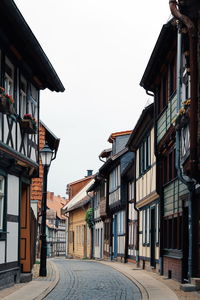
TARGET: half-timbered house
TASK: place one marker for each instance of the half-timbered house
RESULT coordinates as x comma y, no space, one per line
162,78
99,213
141,142
116,193
24,71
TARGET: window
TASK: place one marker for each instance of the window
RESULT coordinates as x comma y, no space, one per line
172,230
145,155
114,179
9,77
121,222
169,169
131,190
146,226
2,185
23,95
103,189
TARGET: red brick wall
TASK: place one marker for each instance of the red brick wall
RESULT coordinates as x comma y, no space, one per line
173,265
36,186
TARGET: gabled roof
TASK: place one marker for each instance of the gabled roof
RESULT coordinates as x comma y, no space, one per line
112,161
162,46
55,203
20,40
78,197
80,203
144,123
51,138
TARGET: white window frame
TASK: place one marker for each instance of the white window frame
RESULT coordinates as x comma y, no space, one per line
114,179
23,97
131,190
144,226
9,81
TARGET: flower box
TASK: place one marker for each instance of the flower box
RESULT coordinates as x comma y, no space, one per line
27,126
6,106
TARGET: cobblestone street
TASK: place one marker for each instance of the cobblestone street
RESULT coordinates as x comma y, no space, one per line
89,280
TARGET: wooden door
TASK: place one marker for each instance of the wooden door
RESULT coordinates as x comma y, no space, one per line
25,229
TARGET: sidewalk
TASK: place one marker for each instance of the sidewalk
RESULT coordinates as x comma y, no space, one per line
152,285
36,289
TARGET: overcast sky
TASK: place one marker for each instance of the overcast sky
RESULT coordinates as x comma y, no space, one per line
99,49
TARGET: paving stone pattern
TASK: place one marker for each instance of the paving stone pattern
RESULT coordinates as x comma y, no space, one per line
88,280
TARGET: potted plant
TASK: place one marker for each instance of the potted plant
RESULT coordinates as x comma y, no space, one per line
182,118
6,103
28,124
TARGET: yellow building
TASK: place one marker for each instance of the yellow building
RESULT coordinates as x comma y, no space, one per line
79,235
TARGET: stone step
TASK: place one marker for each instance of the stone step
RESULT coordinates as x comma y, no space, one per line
188,287
196,282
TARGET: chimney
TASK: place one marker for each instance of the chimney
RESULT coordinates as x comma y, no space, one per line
89,172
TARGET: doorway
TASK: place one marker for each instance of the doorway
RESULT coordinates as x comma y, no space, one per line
152,238
115,236
25,242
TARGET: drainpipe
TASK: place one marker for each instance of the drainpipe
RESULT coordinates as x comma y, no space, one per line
137,211
193,116
101,159
67,235
193,71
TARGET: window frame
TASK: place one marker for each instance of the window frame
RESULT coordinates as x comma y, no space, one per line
145,155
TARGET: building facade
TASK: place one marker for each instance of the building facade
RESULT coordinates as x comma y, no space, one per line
78,234
55,226
24,71
146,197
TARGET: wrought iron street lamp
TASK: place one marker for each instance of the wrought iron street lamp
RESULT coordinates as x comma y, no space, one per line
46,155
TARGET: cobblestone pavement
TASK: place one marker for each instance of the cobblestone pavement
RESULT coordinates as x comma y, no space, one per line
89,280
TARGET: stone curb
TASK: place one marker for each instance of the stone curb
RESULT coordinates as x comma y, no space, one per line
143,290
52,285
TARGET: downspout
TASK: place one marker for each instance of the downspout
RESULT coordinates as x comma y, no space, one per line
101,159
193,116
193,71
137,211
67,235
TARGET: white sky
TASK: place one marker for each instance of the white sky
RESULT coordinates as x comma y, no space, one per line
99,49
